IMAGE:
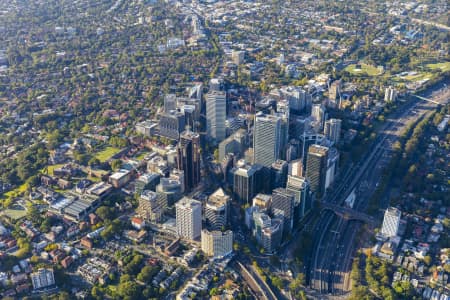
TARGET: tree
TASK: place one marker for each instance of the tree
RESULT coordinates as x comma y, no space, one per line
214,292
427,260
116,164
277,282
105,212
129,289
147,273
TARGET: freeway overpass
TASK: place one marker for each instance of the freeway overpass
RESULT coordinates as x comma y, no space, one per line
349,214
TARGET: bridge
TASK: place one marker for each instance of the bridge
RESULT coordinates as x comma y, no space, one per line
349,214
426,99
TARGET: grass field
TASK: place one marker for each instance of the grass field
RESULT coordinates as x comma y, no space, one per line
416,76
15,214
365,70
49,169
106,153
142,155
445,66
16,192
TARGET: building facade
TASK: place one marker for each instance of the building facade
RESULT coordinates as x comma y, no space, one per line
216,115
391,222
267,139
332,130
188,158
316,169
217,243
217,210
283,201
42,278
188,218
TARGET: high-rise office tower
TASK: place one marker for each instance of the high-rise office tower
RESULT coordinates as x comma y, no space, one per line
332,130
188,158
169,191
278,173
267,138
318,115
216,115
188,218
299,186
171,124
283,201
296,168
247,182
272,235
334,93
283,112
391,222
316,169
217,210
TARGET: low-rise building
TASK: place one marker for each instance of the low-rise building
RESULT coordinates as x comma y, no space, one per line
42,278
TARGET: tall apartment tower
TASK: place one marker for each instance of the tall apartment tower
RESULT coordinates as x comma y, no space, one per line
283,202
237,57
391,222
216,115
151,207
390,94
332,130
316,169
267,138
217,210
217,243
188,218
188,158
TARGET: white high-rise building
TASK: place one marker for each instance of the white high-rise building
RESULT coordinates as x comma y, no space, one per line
216,210
390,95
267,139
391,222
318,114
332,130
216,115
42,278
217,243
170,102
189,218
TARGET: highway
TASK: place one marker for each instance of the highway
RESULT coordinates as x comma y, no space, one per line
334,241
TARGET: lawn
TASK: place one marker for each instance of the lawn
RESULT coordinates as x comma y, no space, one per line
142,155
445,66
15,214
16,192
418,77
49,169
364,70
107,153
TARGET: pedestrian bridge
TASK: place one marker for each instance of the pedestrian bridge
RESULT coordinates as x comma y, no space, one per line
349,213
